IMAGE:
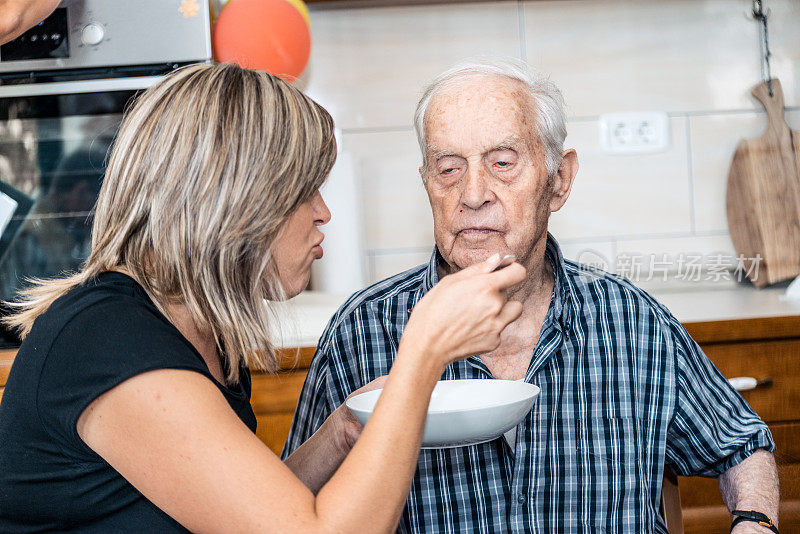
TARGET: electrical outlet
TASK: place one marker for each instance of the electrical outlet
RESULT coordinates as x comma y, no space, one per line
644,132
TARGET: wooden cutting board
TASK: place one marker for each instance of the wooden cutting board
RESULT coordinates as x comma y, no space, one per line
763,198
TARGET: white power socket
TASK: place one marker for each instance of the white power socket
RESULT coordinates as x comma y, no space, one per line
634,133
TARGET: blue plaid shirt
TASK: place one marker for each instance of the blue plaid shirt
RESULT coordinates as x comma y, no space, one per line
624,392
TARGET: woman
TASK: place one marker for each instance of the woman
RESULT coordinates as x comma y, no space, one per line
127,405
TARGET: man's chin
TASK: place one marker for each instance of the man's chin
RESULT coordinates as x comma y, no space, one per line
465,258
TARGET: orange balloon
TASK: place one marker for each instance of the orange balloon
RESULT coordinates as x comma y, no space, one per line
302,8
269,35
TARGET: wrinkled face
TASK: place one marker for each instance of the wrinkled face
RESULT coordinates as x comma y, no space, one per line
299,243
485,172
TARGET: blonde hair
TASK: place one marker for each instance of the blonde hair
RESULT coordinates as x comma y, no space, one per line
207,166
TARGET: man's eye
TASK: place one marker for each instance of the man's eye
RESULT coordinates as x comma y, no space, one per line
503,164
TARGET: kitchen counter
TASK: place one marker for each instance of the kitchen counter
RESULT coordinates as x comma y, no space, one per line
304,318
724,302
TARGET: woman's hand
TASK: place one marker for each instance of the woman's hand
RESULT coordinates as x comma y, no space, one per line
316,460
345,427
462,315
465,312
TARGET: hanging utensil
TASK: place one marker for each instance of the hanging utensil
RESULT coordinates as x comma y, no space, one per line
763,196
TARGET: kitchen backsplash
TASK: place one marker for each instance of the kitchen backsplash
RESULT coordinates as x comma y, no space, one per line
695,60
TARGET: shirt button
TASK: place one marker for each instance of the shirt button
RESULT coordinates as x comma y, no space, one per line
522,499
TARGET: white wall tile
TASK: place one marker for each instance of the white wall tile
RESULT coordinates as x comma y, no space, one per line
396,209
714,139
793,119
670,55
599,254
664,263
784,43
386,265
368,66
704,245
625,195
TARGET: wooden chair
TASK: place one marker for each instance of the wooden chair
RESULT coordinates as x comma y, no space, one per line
671,503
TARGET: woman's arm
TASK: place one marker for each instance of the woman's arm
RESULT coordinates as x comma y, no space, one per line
173,436
16,16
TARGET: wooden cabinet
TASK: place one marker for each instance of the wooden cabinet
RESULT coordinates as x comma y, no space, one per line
275,396
765,348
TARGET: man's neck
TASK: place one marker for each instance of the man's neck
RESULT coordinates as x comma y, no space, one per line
535,291
511,359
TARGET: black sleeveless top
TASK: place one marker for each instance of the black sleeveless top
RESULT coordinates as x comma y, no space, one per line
88,341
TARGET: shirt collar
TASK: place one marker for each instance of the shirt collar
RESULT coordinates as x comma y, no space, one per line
431,273
564,304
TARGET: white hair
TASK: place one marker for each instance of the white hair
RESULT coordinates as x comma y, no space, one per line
548,103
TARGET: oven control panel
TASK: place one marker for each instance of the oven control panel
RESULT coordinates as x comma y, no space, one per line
98,33
48,39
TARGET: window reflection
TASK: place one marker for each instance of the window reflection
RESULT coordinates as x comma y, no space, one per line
60,162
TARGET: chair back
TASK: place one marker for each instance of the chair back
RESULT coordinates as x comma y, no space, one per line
671,503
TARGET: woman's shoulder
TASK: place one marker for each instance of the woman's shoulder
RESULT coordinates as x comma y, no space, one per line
110,314
101,333
108,290
90,340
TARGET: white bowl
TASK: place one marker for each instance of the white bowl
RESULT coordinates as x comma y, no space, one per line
464,412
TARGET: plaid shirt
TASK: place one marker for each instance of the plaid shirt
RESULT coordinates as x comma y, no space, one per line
624,392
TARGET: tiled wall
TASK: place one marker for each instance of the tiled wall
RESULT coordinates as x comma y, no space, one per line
694,59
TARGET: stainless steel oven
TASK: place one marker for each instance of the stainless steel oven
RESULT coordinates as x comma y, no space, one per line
64,86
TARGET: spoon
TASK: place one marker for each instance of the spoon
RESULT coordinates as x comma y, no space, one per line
506,260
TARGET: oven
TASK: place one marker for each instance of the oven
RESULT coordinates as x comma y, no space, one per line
64,86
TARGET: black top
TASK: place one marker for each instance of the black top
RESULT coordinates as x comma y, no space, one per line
88,341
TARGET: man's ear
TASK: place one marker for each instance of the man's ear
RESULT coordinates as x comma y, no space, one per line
562,182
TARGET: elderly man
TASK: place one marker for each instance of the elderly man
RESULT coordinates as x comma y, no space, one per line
624,390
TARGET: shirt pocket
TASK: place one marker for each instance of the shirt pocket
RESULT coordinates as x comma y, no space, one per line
610,475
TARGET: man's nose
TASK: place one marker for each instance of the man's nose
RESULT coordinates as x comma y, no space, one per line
476,191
